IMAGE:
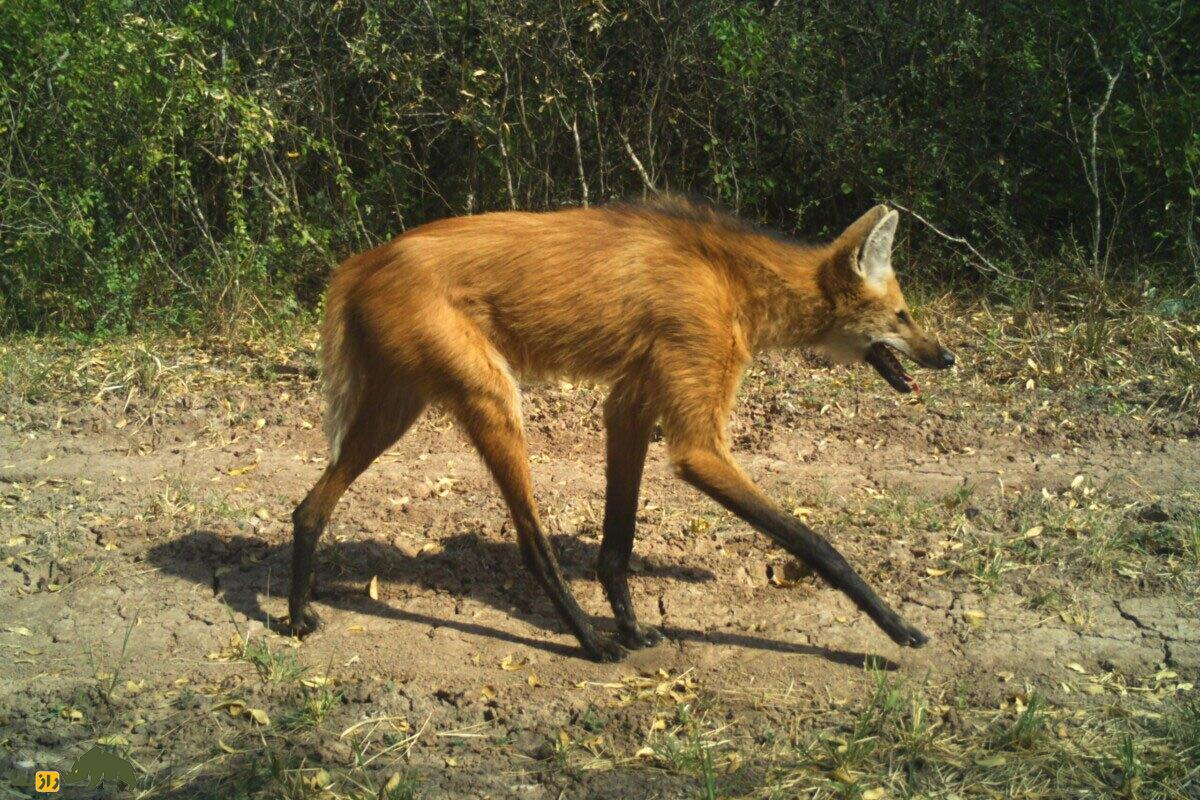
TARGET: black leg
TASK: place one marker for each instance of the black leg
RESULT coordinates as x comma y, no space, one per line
629,426
715,473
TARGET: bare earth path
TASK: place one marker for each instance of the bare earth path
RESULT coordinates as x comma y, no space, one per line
137,548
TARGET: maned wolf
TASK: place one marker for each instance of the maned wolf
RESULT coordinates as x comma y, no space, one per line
665,301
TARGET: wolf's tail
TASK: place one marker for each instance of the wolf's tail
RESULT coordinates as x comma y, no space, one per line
341,370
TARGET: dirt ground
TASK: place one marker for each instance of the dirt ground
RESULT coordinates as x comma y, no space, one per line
146,546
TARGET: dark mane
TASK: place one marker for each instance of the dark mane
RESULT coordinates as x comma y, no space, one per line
700,210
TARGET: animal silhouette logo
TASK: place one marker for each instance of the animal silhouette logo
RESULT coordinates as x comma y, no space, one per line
98,765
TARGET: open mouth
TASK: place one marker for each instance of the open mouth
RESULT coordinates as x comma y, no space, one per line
881,357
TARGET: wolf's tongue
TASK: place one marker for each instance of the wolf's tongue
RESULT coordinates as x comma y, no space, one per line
880,357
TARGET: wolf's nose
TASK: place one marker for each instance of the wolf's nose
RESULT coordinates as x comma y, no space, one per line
947,359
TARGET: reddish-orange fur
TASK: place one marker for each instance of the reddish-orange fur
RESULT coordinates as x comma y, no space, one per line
665,302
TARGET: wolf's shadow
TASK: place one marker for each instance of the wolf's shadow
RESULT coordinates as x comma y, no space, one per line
241,569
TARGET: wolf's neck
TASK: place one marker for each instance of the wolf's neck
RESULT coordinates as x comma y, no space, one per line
785,303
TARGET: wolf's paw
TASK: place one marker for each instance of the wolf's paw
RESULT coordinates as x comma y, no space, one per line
907,636
639,637
605,650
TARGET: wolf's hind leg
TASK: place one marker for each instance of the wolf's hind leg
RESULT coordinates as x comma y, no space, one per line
475,385
376,426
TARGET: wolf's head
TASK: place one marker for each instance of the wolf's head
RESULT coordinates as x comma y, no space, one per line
871,321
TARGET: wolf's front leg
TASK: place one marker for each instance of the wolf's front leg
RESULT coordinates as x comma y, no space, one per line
629,423
714,472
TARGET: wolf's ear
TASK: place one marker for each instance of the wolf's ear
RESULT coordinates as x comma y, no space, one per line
875,254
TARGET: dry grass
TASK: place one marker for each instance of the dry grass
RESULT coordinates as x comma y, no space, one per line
1106,353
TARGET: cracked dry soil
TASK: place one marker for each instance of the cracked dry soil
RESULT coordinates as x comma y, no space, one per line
135,551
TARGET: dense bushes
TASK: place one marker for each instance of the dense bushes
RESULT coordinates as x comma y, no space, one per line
195,162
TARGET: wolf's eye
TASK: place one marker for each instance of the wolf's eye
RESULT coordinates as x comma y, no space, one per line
904,317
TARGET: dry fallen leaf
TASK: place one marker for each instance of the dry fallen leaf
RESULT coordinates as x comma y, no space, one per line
244,469
789,573
934,572
259,716
1033,532
511,664
974,618
373,588
234,707
319,780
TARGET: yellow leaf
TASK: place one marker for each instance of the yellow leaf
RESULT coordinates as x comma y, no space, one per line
19,630
244,469
373,588
1075,666
788,573
113,740
874,794
645,752
933,572
488,692
974,618
234,707
511,664
226,748
259,716
844,775
533,680
320,780
1033,532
